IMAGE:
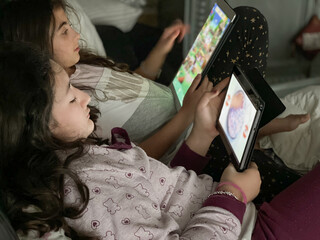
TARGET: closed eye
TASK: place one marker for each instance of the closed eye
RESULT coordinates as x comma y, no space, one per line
69,25
73,100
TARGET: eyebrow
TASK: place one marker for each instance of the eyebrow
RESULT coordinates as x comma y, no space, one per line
61,25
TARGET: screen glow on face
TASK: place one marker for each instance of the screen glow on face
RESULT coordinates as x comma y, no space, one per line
236,117
201,50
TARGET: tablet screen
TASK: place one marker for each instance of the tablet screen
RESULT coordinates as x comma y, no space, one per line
201,51
237,117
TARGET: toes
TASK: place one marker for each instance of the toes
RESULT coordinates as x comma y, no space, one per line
296,119
305,118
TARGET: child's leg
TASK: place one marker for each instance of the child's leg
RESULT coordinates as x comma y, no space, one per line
294,213
247,45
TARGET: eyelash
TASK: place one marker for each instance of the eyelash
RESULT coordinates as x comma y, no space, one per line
66,31
73,100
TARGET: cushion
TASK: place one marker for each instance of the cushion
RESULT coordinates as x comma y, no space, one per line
122,14
53,235
299,149
308,38
82,24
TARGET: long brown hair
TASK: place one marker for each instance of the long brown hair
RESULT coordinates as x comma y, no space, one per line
30,21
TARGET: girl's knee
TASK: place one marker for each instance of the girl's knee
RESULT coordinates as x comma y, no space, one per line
247,13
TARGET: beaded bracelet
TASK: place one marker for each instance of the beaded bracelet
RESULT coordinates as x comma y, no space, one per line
223,193
235,186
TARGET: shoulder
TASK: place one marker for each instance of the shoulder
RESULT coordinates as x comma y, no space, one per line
89,69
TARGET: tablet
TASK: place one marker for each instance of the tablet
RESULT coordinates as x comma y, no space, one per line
204,49
239,119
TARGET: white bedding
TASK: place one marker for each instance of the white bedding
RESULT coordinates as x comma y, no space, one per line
122,14
82,24
299,149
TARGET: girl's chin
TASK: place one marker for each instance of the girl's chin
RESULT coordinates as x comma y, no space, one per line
91,127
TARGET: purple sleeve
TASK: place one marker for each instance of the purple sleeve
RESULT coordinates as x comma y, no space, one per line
228,203
187,158
293,213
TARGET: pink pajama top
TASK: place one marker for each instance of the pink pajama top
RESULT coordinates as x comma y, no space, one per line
133,196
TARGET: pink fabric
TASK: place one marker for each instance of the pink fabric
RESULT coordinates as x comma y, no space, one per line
226,202
133,196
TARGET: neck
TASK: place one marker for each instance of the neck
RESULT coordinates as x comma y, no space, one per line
70,70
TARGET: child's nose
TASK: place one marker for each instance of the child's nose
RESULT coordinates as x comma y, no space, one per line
76,34
86,99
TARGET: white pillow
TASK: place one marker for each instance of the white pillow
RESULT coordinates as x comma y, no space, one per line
122,14
299,149
53,235
82,24
134,3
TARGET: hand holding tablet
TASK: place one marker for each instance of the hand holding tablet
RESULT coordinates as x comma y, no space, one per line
239,119
205,49
243,110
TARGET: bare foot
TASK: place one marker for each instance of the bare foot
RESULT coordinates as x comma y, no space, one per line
293,121
286,124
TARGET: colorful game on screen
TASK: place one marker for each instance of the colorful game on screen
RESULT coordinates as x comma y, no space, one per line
201,51
237,116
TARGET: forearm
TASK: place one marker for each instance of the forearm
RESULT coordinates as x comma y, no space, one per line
221,216
159,143
199,142
152,65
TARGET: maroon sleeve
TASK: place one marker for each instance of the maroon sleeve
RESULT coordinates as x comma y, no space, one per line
228,203
187,158
293,213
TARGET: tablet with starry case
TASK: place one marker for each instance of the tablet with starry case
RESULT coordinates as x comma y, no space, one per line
239,119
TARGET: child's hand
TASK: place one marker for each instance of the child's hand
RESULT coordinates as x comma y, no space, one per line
249,181
193,96
151,66
170,34
207,111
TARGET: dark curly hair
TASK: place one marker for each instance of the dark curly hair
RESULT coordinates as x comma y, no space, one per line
31,173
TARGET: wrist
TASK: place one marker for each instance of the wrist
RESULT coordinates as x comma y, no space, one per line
222,192
149,72
198,142
235,192
203,135
234,189
187,114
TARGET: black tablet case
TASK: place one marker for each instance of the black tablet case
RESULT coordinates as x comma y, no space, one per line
273,105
